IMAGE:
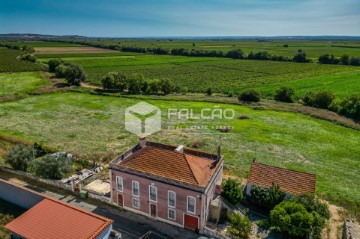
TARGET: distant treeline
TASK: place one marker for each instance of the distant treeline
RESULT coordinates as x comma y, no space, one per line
344,60
234,54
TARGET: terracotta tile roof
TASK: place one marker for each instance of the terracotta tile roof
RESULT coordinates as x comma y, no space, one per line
55,219
189,167
290,181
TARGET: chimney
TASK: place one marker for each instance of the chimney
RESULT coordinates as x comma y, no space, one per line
180,149
218,154
142,142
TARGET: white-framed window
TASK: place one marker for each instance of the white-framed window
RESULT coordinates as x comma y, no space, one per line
171,199
191,204
119,184
135,189
153,193
136,203
171,214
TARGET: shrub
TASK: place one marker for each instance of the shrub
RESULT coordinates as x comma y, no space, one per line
350,107
74,74
53,63
19,157
54,166
312,203
28,57
285,94
244,117
209,91
249,95
167,86
115,81
328,59
322,99
267,197
136,83
240,226
301,57
184,90
232,191
236,54
153,86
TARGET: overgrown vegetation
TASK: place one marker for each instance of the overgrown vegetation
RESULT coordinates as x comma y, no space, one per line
240,227
72,72
232,191
250,95
266,197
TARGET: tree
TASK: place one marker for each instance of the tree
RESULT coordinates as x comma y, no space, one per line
167,86
153,86
267,197
232,191
328,59
54,166
53,63
249,95
114,81
292,219
345,59
19,157
236,54
286,45
285,94
313,204
300,57
28,57
136,82
240,227
209,91
74,74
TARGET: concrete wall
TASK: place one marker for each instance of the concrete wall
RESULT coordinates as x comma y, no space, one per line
162,198
19,196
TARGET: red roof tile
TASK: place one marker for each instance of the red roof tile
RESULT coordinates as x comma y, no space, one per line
54,219
289,181
165,162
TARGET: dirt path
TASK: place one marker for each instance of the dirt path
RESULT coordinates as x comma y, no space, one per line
87,85
335,221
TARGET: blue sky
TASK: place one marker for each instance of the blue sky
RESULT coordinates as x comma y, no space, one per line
135,18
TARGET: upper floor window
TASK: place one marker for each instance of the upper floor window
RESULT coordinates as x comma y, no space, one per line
191,204
152,193
171,199
119,183
135,188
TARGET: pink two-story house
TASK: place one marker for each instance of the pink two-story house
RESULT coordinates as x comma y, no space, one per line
170,184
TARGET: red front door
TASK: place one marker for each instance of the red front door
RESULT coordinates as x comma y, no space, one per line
153,210
120,200
191,222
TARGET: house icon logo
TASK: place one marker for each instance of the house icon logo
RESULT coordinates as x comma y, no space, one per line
143,119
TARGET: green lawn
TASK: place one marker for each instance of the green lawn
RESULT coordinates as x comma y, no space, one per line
93,127
20,83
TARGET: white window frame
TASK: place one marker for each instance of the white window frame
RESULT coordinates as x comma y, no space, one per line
156,194
187,205
135,199
119,179
172,209
169,192
132,189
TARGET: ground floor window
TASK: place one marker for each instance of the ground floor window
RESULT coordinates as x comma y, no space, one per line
171,214
136,203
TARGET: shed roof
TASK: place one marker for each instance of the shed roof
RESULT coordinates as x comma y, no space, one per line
289,181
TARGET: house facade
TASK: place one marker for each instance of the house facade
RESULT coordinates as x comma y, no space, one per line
171,184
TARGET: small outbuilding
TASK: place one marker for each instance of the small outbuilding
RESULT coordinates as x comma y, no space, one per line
290,181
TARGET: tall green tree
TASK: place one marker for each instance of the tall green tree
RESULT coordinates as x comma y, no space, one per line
19,157
240,227
232,191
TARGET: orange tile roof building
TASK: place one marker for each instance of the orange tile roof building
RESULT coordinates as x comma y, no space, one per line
168,183
51,218
289,181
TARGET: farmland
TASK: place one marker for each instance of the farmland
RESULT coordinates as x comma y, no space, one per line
92,126
9,63
223,75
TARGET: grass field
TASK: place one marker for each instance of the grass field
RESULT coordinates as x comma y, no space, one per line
224,75
21,83
92,126
70,50
9,63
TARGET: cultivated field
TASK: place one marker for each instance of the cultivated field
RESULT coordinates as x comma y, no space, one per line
67,50
9,63
225,75
93,127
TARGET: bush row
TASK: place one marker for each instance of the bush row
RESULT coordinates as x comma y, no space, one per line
344,60
72,72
